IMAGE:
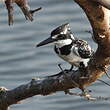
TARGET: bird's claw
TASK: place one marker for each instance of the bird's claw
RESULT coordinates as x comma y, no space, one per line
59,65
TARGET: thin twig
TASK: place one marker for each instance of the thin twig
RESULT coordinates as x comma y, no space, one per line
103,82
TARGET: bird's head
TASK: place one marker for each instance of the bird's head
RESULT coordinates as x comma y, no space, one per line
60,36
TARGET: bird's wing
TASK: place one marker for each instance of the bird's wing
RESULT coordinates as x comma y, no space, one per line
85,50
82,49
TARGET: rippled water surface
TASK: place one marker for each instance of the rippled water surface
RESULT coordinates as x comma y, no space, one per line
20,60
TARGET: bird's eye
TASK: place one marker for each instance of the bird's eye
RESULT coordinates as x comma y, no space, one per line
62,36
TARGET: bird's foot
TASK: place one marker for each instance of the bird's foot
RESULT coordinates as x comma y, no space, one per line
64,71
59,65
66,76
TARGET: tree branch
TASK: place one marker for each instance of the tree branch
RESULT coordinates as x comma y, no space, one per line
105,3
41,86
99,20
23,4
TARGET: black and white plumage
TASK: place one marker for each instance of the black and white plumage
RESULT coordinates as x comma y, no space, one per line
67,47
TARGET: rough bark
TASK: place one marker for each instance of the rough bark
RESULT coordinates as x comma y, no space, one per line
99,20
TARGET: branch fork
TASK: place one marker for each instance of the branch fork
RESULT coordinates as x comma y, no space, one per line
24,7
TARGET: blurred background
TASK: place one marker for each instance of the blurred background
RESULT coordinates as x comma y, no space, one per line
20,60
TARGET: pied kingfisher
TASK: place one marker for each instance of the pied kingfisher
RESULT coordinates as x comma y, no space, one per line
69,48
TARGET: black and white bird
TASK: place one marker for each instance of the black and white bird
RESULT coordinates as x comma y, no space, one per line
74,51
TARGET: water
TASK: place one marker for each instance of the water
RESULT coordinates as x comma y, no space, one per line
20,60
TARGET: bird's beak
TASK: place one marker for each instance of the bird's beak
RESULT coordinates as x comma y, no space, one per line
47,41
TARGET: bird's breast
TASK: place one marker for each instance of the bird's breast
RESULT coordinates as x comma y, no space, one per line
67,54
71,58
